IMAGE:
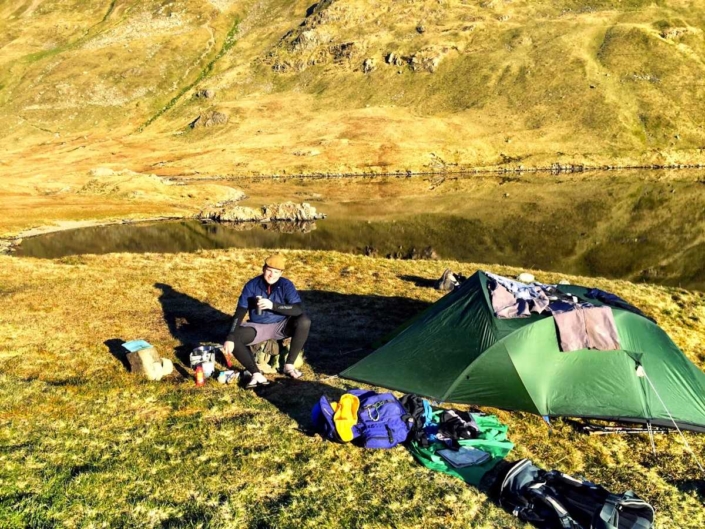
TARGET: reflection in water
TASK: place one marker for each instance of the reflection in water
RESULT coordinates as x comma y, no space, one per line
515,242
642,229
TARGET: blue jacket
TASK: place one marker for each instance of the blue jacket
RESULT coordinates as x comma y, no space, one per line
283,292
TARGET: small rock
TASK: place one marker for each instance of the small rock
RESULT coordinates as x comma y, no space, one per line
368,65
421,29
525,277
205,94
429,253
370,251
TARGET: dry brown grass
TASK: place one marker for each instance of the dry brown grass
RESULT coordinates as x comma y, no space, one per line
513,84
85,443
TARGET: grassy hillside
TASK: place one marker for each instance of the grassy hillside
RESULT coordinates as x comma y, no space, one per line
348,85
84,443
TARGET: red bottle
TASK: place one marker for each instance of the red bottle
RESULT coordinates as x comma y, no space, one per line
200,377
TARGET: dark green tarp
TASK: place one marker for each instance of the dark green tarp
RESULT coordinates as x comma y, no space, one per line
458,351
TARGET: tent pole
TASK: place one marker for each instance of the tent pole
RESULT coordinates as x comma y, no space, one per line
651,437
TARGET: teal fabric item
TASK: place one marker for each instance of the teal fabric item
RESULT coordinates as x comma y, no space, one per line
492,439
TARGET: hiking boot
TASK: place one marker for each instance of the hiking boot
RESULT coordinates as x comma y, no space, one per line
447,281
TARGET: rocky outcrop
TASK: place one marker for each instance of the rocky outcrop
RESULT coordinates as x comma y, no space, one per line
209,119
7,246
272,212
672,33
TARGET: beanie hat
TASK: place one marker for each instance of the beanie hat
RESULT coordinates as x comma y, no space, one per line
277,261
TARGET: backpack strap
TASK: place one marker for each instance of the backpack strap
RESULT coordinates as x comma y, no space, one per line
608,516
538,490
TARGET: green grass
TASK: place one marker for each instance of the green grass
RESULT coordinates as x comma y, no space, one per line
84,443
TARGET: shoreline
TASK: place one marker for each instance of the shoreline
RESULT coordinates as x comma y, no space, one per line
554,169
8,244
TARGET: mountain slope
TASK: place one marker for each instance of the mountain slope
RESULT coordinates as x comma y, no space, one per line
348,85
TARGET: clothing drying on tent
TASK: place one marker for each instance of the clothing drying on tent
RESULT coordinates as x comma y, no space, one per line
459,351
580,325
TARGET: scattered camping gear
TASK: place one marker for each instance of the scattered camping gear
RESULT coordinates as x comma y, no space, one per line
143,358
200,376
345,416
457,350
555,499
202,360
380,422
228,377
420,412
202,354
322,417
383,421
445,430
208,368
465,456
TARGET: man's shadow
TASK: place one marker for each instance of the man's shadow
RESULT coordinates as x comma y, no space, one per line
191,321
297,398
347,327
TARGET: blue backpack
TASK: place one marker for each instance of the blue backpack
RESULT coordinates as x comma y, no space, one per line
382,420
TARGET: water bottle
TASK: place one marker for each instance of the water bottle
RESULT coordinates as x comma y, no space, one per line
200,376
259,310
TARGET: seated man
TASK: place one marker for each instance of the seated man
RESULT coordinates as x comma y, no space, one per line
275,313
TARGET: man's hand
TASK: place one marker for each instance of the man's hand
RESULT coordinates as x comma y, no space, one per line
264,304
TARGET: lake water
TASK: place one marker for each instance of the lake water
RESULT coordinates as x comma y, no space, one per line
645,229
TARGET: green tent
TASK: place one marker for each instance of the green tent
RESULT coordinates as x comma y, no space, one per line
458,351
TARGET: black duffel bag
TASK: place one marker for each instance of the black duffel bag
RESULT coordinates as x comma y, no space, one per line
553,499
